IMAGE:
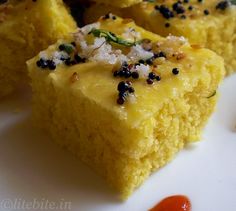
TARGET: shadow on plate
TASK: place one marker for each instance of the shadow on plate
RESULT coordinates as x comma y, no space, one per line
34,167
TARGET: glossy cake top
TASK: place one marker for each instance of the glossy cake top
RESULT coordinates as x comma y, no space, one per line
125,68
171,10
191,9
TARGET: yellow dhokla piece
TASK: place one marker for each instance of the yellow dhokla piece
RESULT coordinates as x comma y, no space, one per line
216,30
26,27
211,24
124,141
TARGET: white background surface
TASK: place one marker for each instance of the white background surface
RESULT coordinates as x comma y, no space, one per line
32,167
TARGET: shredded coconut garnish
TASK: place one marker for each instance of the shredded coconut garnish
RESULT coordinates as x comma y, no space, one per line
143,70
131,34
132,98
86,29
175,41
171,46
182,40
56,57
137,52
43,55
102,52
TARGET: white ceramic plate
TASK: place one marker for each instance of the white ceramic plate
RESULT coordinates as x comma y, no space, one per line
34,170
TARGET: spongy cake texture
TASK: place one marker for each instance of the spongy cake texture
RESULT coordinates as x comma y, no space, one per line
125,144
26,27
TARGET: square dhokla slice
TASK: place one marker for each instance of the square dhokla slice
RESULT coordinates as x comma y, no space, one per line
124,99
26,27
211,24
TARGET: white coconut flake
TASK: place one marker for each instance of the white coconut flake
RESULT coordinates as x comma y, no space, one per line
56,59
86,29
83,44
43,55
99,42
132,98
131,33
102,52
137,52
183,39
180,40
110,15
143,70
58,55
79,36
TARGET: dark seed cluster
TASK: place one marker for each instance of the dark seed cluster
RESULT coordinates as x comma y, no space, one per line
125,69
124,88
125,72
109,16
177,8
72,57
68,48
152,77
151,60
175,71
46,63
180,7
128,71
165,11
206,12
222,5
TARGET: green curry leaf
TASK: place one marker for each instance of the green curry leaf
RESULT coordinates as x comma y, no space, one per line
111,37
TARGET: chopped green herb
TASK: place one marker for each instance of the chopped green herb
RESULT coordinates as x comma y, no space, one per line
68,48
212,95
111,37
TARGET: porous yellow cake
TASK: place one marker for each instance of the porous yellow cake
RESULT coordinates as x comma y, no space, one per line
26,27
211,23
124,99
